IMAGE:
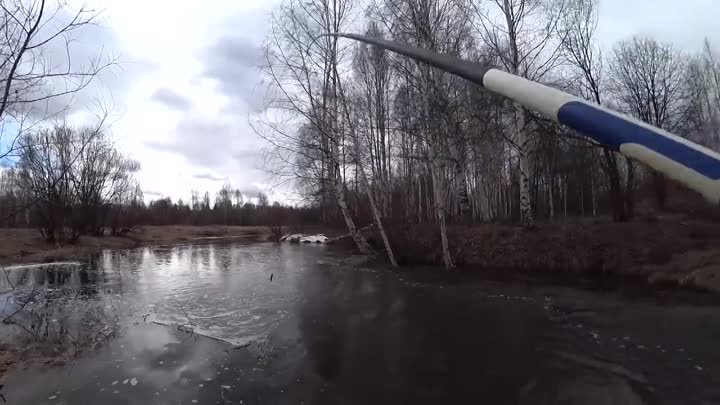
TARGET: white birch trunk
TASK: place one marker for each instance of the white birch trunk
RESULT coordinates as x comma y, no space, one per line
526,217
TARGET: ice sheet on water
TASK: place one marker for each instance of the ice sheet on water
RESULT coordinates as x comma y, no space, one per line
243,322
41,265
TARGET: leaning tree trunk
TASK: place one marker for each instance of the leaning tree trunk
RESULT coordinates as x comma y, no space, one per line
359,239
373,203
438,193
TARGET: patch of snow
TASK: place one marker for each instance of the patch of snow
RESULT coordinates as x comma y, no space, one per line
134,381
301,238
314,239
52,397
126,381
115,382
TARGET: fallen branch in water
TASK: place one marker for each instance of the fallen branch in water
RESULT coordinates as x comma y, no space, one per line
349,235
190,322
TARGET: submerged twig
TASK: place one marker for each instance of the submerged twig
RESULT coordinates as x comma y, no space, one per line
7,277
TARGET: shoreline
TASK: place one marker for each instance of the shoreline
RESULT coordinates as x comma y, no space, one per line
24,245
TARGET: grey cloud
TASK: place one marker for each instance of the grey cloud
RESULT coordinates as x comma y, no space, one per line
250,191
225,143
233,62
208,176
152,193
247,155
237,52
171,99
211,143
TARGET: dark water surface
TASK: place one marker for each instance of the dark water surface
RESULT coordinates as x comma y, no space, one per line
205,324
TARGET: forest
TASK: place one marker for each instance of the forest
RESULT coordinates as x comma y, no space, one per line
410,144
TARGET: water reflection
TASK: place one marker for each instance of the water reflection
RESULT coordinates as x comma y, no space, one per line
220,291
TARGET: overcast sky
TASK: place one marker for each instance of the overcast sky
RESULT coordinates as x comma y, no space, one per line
189,81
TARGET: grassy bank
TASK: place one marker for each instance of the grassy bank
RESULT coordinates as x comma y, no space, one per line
669,250
26,245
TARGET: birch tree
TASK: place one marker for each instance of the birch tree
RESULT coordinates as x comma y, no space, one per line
523,34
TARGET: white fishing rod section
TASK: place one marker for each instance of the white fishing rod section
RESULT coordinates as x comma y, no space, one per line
684,161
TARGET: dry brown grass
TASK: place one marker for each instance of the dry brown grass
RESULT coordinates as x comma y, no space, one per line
683,252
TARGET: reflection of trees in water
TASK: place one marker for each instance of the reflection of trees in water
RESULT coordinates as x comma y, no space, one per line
338,319
163,255
371,335
224,259
60,308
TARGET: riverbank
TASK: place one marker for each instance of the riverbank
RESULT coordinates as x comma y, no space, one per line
26,245
667,250
662,250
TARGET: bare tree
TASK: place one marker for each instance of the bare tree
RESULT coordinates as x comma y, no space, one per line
30,77
579,23
704,77
73,178
649,81
304,124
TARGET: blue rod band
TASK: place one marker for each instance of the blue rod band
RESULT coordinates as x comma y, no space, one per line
613,131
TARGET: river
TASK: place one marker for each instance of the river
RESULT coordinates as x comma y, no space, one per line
264,323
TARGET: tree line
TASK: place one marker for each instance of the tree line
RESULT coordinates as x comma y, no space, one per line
70,182
422,146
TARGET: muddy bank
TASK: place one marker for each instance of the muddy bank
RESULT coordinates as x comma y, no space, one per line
26,245
670,251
